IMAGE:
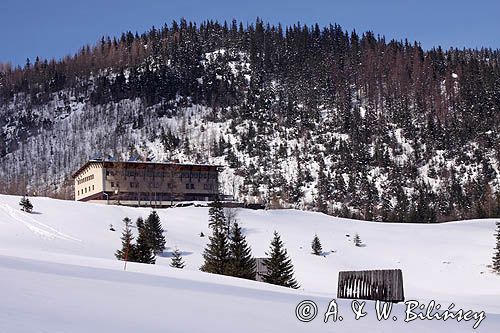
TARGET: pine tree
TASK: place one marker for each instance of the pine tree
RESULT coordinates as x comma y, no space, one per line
316,246
127,252
26,205
216,253
279,266
357,240
496,256
155,233
143,251
241,264
177,259
216,212
322,189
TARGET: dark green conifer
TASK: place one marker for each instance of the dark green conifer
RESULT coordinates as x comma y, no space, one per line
216,212
155,233
241,264
216,253
143,250
127,252
316,246
177,261
279,266
26,204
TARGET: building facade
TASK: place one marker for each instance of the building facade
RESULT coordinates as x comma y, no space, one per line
145,183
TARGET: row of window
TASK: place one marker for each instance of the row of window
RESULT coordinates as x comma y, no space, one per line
136,185
198,175
143,197
189,186
161,174
85,179
85,190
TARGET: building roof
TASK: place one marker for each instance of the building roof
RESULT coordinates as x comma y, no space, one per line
100,161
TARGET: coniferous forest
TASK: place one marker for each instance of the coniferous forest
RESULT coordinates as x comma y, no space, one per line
311,117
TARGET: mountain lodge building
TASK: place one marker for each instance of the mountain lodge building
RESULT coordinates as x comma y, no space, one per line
145,183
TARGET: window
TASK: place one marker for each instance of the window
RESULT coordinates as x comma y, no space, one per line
192,186
207,186
187,186
112,184
92,187
78,192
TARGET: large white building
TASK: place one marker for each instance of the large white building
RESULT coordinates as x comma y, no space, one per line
145,183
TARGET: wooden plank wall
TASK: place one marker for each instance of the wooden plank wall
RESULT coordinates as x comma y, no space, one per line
382,285
260,269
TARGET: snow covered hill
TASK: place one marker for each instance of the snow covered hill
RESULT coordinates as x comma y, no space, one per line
58,272
314,118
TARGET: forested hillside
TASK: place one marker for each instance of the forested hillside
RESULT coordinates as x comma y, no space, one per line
302,116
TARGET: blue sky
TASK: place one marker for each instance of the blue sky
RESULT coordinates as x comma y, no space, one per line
54,28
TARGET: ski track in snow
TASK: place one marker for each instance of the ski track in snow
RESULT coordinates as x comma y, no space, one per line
35,226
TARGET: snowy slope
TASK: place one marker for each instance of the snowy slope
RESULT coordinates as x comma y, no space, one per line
58,272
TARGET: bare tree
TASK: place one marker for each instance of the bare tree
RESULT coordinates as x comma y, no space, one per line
231,215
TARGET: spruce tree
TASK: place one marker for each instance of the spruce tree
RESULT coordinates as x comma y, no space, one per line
217,218
322,188
216,253
155,233
127,252
177,259
279,266
241,264
143,250
496,256
26,204
316,246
